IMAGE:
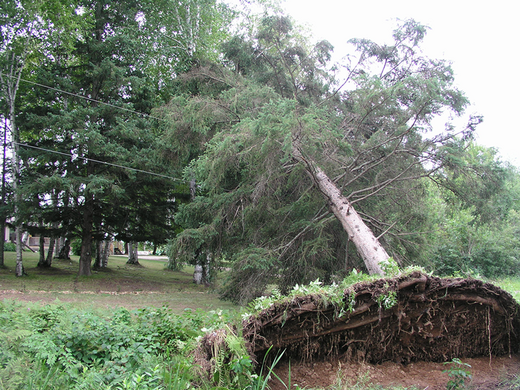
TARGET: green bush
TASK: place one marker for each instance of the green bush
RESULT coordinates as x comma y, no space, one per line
56,347
487,260
76,247
9,247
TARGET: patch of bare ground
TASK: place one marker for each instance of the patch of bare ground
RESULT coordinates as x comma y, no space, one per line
495,374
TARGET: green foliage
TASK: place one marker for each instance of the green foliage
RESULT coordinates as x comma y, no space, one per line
232,367
477,217
459,373
340,296
75,246
388,300
257,205
57,347
390,267
490,250
9,247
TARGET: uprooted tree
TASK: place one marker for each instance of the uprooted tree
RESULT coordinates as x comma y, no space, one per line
411,317
299,164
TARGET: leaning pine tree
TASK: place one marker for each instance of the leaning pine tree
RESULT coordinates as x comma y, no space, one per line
300,165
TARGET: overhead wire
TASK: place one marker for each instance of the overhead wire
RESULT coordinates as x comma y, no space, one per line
87,158
85,97
97,161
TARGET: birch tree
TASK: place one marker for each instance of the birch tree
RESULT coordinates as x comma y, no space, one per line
26,26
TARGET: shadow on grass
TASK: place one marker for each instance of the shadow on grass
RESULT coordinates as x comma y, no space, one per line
120,284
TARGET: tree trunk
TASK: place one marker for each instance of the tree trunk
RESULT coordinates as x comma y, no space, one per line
10,85
97,262
85,258
41,260
201,274
50,251
19,245
2,205
19,271
133,257
2,241
104,257
367,245
102,248
60,241
64,252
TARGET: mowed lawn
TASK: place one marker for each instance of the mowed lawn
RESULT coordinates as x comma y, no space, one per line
119,285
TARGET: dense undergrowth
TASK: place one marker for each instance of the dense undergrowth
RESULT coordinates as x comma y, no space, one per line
59,347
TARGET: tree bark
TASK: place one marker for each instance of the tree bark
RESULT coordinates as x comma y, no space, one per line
19,271
85,258
2,241
2,210
133,257
104,257
50,251
41,261
64,250
367,245
97,262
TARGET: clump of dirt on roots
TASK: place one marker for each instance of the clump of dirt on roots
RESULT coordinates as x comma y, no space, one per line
410,318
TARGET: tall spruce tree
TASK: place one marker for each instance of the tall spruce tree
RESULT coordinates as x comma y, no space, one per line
94,118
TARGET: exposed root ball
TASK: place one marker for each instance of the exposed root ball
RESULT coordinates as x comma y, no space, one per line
411,318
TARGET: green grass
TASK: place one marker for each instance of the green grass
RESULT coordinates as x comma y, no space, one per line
511,285
118,285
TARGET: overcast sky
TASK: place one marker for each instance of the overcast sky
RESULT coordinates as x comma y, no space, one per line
479,37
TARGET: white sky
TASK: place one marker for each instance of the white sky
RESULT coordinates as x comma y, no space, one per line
480,38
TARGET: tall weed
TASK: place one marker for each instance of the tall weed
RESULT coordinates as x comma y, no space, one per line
59,347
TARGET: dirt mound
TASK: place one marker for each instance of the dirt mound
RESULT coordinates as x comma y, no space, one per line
407,319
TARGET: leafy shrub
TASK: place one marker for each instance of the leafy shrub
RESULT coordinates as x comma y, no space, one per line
76,247
458,373
489,261
55,347
9,247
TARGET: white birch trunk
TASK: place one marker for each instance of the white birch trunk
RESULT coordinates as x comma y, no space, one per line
133,257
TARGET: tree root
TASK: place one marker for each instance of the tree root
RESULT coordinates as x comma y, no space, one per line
433,319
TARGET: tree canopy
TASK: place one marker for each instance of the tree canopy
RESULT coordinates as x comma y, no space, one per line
288,123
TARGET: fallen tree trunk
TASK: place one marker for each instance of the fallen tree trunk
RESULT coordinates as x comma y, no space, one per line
431,319
367,245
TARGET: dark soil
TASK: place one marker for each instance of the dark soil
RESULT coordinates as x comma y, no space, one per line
433,319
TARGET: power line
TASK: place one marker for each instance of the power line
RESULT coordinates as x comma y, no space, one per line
99,102
98,161
85,97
